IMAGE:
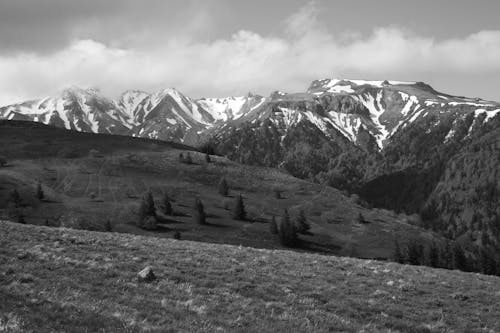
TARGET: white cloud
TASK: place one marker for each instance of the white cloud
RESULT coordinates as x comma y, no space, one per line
249,61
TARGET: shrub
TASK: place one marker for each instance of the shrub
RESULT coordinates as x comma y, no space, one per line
199,212
149,223
95,153
361,219
181,157
239,212
3,161
301,223
277,193
177,235
287,232
223,187
108,226
92,195
207,158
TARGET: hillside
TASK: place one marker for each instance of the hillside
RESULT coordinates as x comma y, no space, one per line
92,179
56,279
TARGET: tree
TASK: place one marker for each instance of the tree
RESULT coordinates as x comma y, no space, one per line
273,227
223,187
301,223
189,159
181,157
447,256
459,258
414,253
166,204
199,212
3,161
433,255
277,193
20,218
239,212
177,234
108,226
39,192
146,209
398,255
287,231
207,158
15,198
361,219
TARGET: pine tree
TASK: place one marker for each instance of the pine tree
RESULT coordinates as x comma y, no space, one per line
39,192
414,253
166,204
287,231
189,159
15,198
199,212
207,158
239,212
181,158
146,209
108,227
447,256
20,218
273,227
459,258
433,256
301,223
223,187
398,255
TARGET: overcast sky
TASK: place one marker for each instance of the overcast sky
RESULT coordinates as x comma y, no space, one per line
231,47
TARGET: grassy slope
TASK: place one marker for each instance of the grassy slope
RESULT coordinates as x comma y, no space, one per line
130,166
59,280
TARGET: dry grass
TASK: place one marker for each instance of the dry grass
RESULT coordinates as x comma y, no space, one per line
61,280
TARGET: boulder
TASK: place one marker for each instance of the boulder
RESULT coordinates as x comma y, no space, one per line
146,275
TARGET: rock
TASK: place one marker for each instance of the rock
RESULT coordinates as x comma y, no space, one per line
146,275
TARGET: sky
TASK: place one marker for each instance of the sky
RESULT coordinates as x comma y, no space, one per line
215,48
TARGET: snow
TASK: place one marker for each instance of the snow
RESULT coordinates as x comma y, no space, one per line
375,112
469,103
489,114
172,121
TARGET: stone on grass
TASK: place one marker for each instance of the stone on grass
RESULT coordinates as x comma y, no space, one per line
146,275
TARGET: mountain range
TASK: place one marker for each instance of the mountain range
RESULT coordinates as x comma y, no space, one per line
399,145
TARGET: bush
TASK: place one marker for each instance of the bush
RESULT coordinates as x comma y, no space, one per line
239,212
207,158
149,223
223,187
3,161
199,212
177,235
277,193
108,227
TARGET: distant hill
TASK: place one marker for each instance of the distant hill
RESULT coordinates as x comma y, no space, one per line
64,280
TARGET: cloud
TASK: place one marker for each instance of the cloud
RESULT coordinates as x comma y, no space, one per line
304,50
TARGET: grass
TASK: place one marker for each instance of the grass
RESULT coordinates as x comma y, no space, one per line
87,190
59,280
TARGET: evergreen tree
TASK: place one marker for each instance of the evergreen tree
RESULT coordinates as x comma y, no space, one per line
108,227
3,161
223,187
207,158
301,223
447,256
39,192
287,231
459,258
20,218
147,208
177,234
166,204
398,255
361,218
433,255
15,198
189,159
239,212
273,227
199,212
47,223
181,158
414,253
